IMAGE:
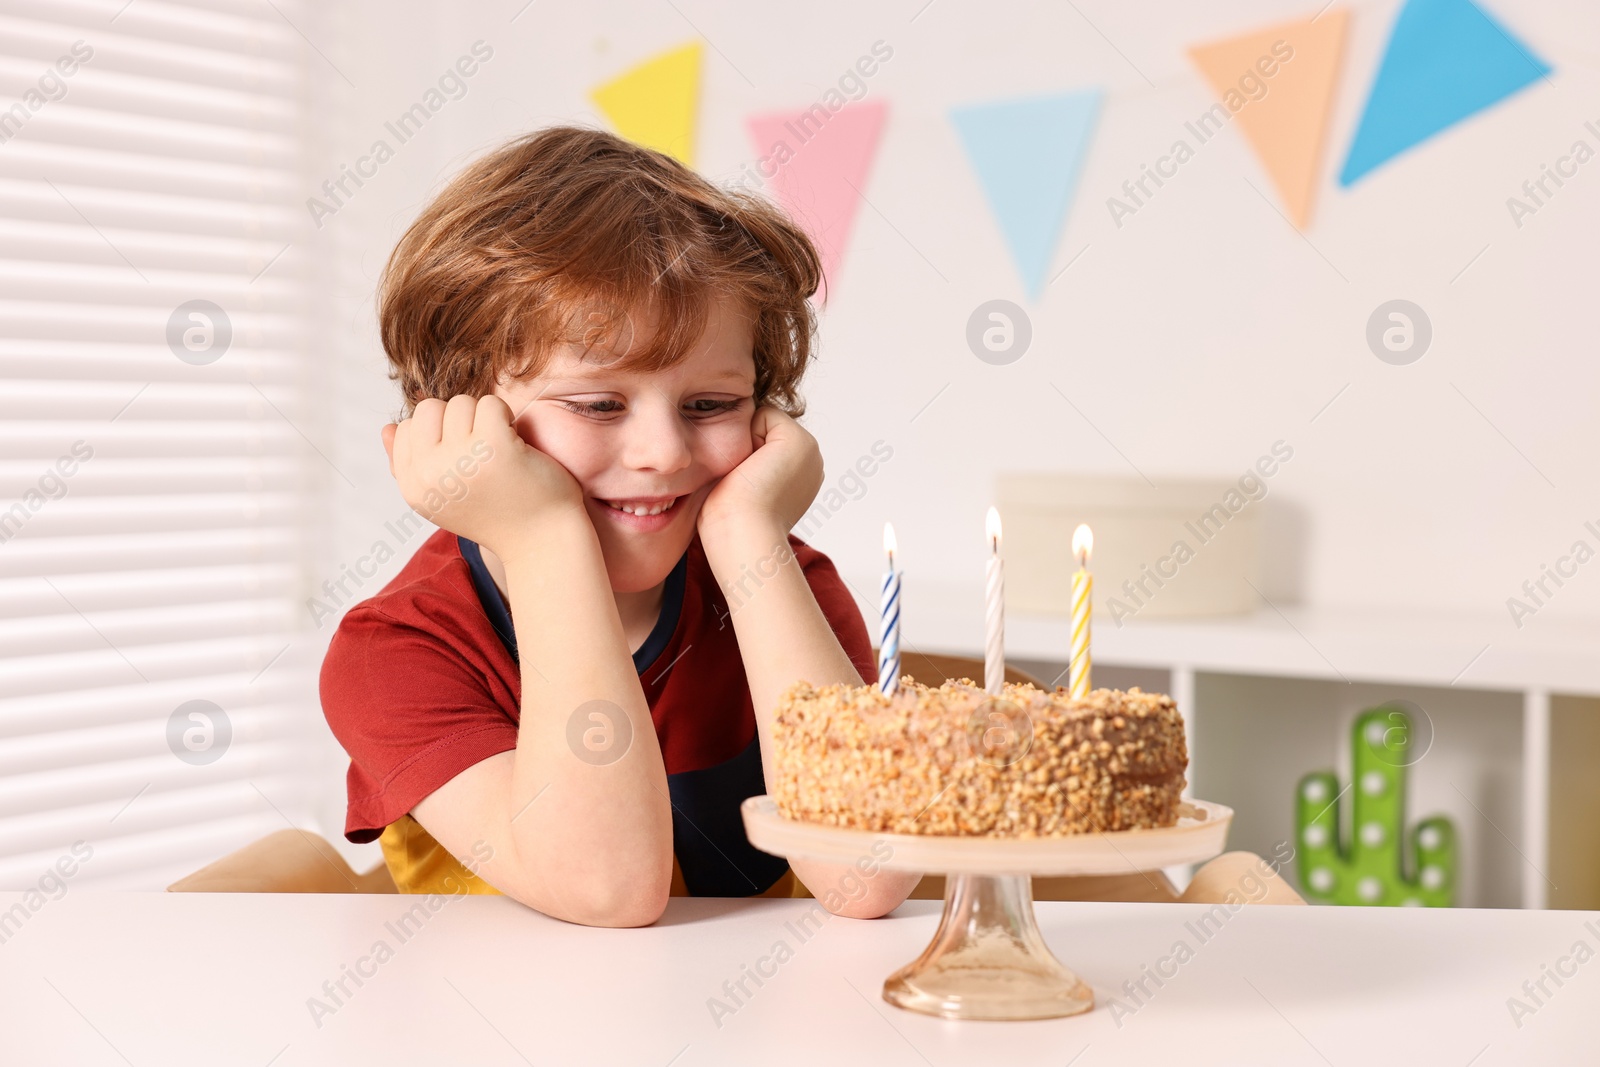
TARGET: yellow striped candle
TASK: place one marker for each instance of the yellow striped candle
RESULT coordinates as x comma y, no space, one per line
1082,599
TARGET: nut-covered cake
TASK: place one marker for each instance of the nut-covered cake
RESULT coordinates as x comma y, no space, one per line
957,761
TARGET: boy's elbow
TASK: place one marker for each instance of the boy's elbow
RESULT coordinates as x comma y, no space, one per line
854,891
865,908
626,908
883,894
871,906
874,905
638,902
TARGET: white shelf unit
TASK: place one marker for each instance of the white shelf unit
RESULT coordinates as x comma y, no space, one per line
1514,717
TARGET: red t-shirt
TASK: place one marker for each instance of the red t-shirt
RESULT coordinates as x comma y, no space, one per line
421,681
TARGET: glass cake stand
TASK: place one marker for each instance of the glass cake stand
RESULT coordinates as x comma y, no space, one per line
988,960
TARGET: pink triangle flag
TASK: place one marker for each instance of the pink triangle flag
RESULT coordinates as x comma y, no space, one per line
818,161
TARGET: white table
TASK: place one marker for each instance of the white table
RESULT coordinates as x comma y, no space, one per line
171,979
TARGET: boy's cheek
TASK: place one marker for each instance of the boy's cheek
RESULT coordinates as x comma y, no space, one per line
568,451
732,445
522,402
523,424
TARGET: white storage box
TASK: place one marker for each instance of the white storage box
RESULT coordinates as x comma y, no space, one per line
1179,549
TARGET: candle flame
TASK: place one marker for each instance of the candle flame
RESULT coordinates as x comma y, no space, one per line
888,539
991,528
1082,543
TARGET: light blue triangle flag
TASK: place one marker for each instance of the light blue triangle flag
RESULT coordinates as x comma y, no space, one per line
1027,154
1446,59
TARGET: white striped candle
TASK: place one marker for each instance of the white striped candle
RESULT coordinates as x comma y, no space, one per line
889,621
994,603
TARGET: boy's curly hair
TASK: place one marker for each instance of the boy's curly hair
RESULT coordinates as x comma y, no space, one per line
557,236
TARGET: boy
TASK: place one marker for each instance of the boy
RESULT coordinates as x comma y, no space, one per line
553,699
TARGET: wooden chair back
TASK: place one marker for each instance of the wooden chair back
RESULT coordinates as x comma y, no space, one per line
931,668
288,861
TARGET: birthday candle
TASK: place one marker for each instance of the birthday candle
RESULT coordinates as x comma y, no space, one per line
1082,598
994,649
889,618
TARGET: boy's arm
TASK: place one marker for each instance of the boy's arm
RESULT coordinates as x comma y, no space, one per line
585,840
578,830
784,636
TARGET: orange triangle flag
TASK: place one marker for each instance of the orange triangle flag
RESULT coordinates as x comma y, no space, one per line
1279,84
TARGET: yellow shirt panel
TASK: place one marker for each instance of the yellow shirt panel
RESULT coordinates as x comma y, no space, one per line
419,864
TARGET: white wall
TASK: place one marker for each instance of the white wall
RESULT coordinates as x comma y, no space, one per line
1194,336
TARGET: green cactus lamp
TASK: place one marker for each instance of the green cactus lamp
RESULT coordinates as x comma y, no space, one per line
1370,869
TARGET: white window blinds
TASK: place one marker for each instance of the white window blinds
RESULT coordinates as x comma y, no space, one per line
154,476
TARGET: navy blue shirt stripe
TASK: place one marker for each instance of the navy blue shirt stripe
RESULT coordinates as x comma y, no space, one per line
494,605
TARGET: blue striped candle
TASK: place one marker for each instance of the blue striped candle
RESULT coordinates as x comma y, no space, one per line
889,621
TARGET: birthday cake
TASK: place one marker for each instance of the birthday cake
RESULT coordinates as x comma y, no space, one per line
957,761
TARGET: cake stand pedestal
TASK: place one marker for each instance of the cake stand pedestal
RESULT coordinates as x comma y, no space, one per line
988,959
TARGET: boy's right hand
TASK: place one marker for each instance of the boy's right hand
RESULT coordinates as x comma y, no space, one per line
462,466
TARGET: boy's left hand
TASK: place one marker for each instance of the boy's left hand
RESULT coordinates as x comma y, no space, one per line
776,483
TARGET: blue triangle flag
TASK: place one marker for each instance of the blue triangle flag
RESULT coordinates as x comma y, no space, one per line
1027,154
1446,60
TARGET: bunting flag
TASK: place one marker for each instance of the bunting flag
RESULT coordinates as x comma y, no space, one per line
1282,104
1028,154
1446,60
818,161
655,103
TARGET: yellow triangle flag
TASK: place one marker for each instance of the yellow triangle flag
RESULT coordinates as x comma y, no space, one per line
654,104
1279,84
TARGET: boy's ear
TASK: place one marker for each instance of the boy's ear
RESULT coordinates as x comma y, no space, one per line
388,444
